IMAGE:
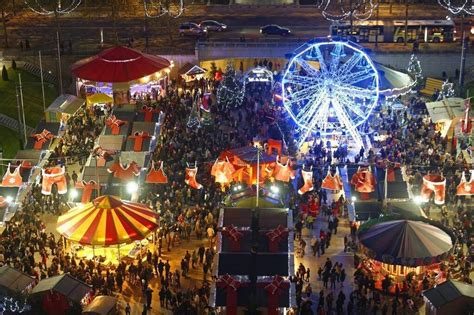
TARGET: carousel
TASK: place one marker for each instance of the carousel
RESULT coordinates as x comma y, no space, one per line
112,228
396,247
123,73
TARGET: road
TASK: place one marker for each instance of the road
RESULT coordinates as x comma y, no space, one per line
84,30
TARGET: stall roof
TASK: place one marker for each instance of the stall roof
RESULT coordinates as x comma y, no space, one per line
65,284
97,174
149,127
66,103
31,155
101,305
191,69
141,158
111,142
448,292
446,109
406,208
14,280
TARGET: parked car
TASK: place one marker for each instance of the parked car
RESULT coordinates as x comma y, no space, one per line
191,29
214,26
274,29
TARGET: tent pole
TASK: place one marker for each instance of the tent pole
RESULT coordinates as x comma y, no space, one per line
93,252
118,249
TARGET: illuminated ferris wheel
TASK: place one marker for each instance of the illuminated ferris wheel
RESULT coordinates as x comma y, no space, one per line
330,87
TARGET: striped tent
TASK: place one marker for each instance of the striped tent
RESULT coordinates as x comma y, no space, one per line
107,220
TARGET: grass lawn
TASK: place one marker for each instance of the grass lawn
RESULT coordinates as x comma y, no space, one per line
9,142
32,96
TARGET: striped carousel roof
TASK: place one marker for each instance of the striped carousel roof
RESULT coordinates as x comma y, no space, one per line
107,220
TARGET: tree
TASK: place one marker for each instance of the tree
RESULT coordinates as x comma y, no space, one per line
415,71
231,91
194,119
4,73
447,90
4,4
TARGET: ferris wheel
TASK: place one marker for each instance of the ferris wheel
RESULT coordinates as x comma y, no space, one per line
330,87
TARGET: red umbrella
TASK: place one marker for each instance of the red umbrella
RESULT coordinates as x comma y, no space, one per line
118,64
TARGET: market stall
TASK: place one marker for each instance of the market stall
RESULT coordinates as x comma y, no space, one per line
122,73
62,108
245,162
102,305
109,221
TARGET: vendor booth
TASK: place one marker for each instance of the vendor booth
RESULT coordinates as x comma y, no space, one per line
397,247
102,305
245,162
122,73
63,108
190,73
14,281
446,114
109,221
58,294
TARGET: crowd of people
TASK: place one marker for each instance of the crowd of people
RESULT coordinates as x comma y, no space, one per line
187,214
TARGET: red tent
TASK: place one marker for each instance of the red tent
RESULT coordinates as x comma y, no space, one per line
118,64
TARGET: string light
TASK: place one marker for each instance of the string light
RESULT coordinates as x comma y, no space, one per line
39,7
447,90
231,91
415,71
464,6
362,10
161,9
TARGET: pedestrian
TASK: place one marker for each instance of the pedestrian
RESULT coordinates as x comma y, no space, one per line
342,277
315,245
128,309
308,274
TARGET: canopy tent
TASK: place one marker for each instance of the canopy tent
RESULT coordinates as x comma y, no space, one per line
101,305
392,82
65,284
119,64
406,242
98,98
14,280
107,220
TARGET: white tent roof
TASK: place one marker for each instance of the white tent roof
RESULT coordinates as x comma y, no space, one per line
446,109
394,82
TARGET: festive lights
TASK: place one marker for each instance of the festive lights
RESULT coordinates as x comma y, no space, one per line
157,8
447,90
231,91
57,7
415,71
194,119
330,87
359,9
457,7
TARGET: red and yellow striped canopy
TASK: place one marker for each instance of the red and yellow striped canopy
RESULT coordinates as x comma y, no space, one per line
107,220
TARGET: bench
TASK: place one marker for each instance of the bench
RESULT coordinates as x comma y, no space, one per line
431,85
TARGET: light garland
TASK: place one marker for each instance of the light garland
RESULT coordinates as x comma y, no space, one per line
362,10
415,71
38,7
151,6
194,119
465,6
447,90
231,91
